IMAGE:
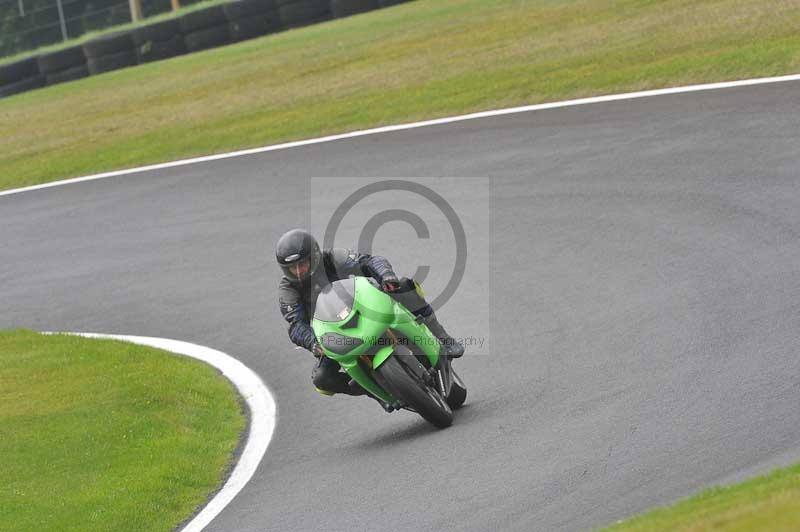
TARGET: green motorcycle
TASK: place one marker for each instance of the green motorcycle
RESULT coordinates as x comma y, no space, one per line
383,347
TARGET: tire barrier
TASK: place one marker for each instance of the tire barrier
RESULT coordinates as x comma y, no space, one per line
20,76
18,71
206,28
345,8
63,65
158,50
295,13
158,41
110,52
69,74
254,26
157,31
111,62
207,38
245,8
198,30
23,85
252,18
108,45
204,18
59,60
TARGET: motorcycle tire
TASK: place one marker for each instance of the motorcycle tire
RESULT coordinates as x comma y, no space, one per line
107,63
22,86
345,8
54,63
116,43
19,71
424,399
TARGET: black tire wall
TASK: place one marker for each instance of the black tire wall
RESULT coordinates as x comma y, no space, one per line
207,38
204,18
158,31
254,26
345,8
109,45
111,62
61,60
295,13
20,76
245,8
22,85
110,52
252,18
63,65
18,71
207,28
158,41
158,50
69,74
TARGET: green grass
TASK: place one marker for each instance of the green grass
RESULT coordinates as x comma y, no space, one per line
418,60
98,435
770,502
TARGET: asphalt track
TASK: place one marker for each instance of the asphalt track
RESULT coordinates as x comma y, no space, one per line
645,260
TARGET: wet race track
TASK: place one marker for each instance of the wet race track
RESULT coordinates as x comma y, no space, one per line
637,284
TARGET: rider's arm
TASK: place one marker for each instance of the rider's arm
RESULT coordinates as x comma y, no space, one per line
349,262
294,312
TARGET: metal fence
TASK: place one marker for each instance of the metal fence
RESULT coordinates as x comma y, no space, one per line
30,24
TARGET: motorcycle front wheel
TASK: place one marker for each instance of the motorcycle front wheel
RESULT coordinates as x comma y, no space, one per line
407,386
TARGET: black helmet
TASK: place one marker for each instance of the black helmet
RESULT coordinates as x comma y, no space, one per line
296,249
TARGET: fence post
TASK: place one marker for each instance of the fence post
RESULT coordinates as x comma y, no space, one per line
136,10
61,20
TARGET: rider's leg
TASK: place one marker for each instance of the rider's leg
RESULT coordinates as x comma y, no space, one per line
329,380
412,297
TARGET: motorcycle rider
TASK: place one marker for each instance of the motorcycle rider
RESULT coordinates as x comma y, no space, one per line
307,270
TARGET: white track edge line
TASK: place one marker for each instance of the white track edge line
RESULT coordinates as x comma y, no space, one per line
413,125
263,414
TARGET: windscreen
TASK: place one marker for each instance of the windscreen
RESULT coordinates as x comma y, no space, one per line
335,302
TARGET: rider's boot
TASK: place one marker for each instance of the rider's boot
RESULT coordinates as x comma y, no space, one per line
453,348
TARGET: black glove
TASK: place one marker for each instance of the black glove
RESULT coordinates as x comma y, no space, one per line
390,283
317,351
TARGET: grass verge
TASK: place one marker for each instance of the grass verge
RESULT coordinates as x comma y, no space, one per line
100,435
770,502
418,60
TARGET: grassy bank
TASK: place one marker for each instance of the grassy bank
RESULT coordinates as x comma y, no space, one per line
418,60
99,435
771,502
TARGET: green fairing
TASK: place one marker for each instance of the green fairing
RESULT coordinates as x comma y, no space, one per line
377,313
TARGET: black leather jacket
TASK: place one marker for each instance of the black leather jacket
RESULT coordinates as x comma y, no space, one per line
297,300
